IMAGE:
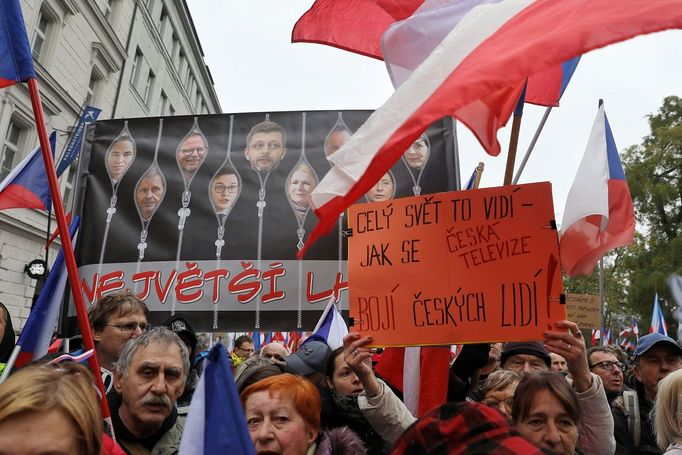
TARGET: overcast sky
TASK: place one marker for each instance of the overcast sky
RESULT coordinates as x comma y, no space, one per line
256,68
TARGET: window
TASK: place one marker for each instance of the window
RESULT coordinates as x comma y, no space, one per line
163,105
171,110
93,85
108,9
40,37
68,180
137,65
10,149
175,52
148,86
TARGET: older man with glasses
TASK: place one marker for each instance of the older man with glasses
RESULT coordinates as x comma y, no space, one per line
115,319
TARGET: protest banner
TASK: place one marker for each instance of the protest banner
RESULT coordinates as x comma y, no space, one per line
202,216
458,267
584,310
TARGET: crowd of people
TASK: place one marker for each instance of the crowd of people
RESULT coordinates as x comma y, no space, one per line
550,396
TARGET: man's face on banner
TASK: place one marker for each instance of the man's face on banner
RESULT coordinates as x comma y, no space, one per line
418,154
265,151
224,191
191,153
120,155
149,194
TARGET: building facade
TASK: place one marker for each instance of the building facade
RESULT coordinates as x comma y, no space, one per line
129,58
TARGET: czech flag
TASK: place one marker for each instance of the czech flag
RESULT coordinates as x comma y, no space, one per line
479,71
599,215
26,185
658,324
331,328
16,64
215,422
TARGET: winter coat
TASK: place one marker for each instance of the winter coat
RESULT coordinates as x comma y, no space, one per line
386,413
337,441
596,427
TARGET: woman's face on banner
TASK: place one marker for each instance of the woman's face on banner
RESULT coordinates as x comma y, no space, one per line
418,154
383,190
301,184
118,159
224,191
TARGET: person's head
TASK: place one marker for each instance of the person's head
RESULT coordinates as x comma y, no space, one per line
282,414
498,390
656,356
524,357
115,319
493,359
310,360
340,377
243,346
604,362
667,415
335,139
546,411
462,428
558,363
224,189
182,328
275,351
150,375
254,369
51,407
6,334
265,146
418,153
302,182
120,155
191,152
149,193
383,190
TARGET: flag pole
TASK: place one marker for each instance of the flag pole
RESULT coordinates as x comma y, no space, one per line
69,258
455,144
479,173
514,139
532,144
601,290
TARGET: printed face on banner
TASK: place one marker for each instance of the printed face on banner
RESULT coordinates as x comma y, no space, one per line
335,140
119,157
383,190
418,154
301,183
224,190
265,146
191,153
459,267
149,194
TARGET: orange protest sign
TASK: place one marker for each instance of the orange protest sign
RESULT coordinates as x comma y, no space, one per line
459,267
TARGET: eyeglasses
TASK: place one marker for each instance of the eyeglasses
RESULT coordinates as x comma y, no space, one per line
220,188
190,151
130,327
608,365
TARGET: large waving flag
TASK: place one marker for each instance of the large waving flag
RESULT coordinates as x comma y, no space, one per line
481,66
658,324
599,215
352,25
16,64
215,422
26,185
36,336
331,328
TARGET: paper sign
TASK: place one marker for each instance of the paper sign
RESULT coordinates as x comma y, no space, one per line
458,267
584,310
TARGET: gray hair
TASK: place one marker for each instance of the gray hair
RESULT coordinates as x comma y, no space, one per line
160,335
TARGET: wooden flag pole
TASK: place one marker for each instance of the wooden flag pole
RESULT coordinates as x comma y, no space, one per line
69,258
514,139
479,173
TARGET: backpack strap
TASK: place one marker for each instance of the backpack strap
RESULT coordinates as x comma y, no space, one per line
632,413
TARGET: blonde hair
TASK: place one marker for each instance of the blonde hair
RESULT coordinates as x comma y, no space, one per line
66,387
667,414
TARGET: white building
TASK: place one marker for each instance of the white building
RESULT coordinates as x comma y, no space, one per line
130,58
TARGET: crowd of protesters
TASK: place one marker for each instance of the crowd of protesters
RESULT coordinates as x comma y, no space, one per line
551,396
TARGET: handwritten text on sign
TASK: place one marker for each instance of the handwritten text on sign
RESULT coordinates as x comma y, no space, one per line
458,267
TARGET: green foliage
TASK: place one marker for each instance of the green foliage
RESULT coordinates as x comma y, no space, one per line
654,174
